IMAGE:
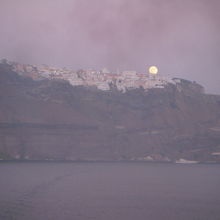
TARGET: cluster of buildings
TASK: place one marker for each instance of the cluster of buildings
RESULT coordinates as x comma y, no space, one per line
102,79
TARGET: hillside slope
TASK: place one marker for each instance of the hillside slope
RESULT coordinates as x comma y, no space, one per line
50,119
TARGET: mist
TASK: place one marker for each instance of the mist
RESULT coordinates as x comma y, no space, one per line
180,37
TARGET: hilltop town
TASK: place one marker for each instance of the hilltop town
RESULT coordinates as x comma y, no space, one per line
103,79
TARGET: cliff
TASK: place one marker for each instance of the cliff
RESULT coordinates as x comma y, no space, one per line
50,119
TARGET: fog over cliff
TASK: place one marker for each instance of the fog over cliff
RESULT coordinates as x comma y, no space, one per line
181,37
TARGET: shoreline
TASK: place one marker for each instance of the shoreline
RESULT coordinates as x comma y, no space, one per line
107,161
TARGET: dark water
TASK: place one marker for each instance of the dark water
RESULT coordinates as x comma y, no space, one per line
104,191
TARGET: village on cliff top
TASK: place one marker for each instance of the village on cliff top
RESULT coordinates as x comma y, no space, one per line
102,79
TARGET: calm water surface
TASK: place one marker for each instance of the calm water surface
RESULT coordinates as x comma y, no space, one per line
104,191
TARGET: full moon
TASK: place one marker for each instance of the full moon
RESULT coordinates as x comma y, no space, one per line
153,70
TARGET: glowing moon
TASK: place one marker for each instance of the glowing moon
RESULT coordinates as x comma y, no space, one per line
153,70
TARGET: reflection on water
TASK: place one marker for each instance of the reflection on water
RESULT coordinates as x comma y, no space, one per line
104,191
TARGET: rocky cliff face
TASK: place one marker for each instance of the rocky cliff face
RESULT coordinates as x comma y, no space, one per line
51,119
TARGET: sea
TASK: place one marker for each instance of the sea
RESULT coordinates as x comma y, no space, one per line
109,191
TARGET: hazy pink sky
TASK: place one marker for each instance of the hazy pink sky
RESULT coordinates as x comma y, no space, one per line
181,37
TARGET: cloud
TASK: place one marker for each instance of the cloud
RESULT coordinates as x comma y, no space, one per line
181,37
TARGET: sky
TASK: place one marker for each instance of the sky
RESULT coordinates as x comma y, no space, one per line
181,37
